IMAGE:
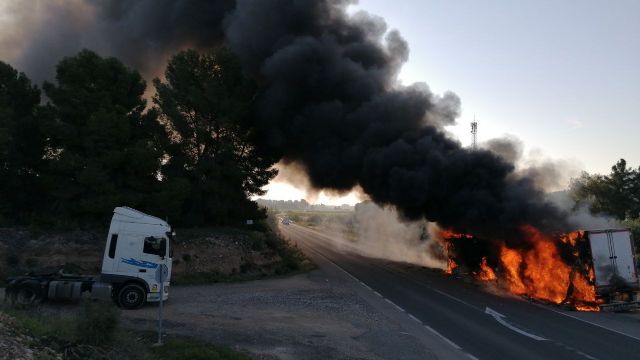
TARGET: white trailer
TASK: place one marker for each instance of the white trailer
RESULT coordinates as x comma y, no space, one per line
614,265
137,246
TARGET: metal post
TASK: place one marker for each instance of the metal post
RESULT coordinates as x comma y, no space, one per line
160,313
161,276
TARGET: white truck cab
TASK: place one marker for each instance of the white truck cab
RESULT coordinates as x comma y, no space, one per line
137,245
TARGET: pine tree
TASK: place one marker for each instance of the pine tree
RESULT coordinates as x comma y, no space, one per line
104,148
205,104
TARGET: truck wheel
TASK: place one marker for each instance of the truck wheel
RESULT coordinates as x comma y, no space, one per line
131,296
28,294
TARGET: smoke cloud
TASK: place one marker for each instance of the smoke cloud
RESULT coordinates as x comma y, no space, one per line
330,101
376,232
547,174
142,33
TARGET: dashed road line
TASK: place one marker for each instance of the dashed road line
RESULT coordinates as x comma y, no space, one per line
394,304
436,333
415,318
432,330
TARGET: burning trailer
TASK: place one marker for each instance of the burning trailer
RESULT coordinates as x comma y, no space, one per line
584,270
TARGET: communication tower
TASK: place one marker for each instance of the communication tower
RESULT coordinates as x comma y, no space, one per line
474,133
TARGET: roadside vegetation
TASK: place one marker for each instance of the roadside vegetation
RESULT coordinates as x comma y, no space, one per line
95,143
94,333
616,194
263,238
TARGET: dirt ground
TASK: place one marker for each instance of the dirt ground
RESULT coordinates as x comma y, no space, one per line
307,316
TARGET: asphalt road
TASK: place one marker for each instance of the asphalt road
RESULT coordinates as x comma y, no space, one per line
481,324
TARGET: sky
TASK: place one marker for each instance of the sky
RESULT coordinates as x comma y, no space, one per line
562,76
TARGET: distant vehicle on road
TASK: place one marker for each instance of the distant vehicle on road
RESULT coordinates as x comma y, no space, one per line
137,246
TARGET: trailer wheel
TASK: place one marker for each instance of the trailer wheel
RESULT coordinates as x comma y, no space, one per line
28,294
131,296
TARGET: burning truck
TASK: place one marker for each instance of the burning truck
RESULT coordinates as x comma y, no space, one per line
583,270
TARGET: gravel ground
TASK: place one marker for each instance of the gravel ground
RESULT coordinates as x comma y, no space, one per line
308,316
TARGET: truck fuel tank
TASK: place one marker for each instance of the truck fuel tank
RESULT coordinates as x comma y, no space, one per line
61,289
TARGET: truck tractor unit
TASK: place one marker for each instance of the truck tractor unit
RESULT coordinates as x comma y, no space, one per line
138,245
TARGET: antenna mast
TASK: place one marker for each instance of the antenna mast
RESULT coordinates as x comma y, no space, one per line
474,133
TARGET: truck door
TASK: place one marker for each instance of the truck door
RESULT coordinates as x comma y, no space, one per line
154,250
601,257
623,256
128,253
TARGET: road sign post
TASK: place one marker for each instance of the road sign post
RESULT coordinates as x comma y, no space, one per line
161,276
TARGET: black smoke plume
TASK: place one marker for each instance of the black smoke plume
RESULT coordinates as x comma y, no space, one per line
142,33
330,102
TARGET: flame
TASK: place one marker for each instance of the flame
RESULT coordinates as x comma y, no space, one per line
451,265
540,272
485,273
572,237
450,234
512,261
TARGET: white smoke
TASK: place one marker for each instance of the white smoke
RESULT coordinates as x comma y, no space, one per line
582,216
378,232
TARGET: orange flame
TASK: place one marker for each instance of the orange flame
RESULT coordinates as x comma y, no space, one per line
512,261
572,237
485,273
540,272
449,234
451,265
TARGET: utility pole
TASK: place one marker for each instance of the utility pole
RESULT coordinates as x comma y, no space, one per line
474,133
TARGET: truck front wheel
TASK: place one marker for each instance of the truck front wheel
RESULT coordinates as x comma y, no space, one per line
131,296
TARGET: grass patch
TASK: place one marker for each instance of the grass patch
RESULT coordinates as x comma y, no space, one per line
192,349
94,333
40,325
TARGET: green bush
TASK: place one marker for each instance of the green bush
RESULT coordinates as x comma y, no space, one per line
98,323
634,225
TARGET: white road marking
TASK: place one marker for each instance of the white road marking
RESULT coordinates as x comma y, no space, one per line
415,318
588,322
453,298
436,333
442,337
394,304
500,318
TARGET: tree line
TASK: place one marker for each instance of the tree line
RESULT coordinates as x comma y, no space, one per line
76,148
616,194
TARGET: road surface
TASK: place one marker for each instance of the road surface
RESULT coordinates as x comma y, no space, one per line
474,321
